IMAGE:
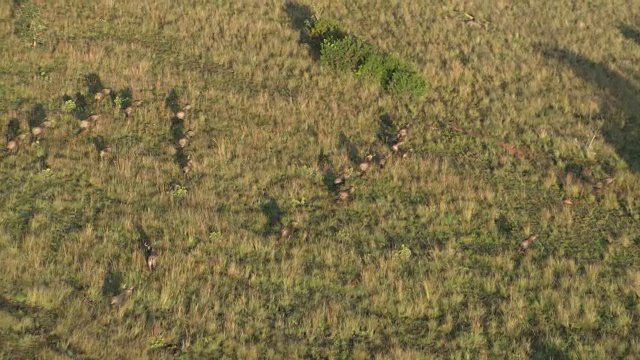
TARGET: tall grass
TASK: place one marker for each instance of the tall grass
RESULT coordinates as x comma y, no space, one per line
529,110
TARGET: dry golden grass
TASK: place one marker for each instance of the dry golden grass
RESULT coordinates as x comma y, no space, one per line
530,105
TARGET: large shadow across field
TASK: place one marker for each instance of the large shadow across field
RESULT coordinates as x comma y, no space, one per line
618,95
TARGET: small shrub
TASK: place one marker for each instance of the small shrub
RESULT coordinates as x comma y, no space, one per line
28,24
345,52
179,191
320,29
122,102
376,68
404,253
407,82
69,106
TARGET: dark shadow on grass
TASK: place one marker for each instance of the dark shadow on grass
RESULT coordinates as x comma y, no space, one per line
299,15
630,33
504,226
617,94
143,238
42,325
177,130
94,84
352,150
112,282
387,130
328,172
177,133
274,214
100,143
172,101
13,129
36,116
544,351
41,163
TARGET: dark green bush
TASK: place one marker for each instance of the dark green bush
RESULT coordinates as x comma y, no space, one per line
319,30
406,81
376,67
345,52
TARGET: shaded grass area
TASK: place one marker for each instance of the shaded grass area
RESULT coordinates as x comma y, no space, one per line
421,261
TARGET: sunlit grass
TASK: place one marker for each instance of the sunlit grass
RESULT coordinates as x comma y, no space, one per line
529,105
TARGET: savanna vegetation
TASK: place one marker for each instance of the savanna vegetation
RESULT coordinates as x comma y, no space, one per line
326,180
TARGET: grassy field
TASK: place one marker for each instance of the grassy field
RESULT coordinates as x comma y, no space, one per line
532,106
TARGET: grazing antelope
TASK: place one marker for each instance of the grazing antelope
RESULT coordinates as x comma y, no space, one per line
151,257
182,143
382,161
601,187
181,114
403,133
288,230
401,138
104,152
345,195
526,243
365,164
396,147
36,132
129,109
188,167
88,122
100,95
120,299
12,146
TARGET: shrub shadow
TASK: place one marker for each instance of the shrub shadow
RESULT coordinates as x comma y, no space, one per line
542,351
630,33
618,94
299,15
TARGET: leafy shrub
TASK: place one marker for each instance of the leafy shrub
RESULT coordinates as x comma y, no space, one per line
407,81
28,23
320,29
345,52
69,106
376,67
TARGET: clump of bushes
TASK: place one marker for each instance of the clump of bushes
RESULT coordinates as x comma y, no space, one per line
345,52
